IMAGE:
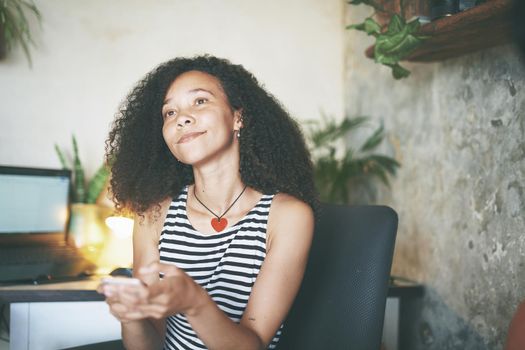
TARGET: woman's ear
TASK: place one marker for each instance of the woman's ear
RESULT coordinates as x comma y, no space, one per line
239,122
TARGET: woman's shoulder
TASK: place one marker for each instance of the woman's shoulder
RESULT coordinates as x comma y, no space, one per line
286,202
287,208
290,218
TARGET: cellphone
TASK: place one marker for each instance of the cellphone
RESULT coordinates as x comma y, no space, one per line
122,281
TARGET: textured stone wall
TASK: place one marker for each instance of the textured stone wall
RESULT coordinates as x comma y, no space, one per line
458,129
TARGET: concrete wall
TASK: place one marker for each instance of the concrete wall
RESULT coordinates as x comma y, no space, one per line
90,53
458,129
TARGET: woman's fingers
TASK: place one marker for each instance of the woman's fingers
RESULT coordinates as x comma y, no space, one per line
159,299
100,289
117,291
153,310
132,297
125,314
169,283
159,268
167,270
124,300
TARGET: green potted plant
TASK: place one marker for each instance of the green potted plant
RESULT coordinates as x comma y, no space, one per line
395,40
343,174
83,192
14,25
87,225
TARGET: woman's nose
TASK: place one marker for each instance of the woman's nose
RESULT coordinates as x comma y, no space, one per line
184,120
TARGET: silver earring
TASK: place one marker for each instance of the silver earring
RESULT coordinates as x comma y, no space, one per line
239,134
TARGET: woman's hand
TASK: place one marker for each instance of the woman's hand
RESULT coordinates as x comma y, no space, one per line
124,300
175,293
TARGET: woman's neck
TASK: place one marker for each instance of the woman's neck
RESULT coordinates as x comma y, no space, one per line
217,187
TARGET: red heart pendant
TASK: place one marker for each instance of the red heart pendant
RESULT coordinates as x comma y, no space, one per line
219,224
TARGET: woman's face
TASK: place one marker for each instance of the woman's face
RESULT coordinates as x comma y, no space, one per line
199,123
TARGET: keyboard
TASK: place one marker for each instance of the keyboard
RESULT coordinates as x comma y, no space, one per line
37,254
42,262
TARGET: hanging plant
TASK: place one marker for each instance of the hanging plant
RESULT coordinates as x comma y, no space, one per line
395,41
14,25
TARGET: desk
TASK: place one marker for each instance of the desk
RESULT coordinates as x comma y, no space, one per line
61,315
401,294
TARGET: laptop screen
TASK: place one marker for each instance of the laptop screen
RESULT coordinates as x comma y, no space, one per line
33,200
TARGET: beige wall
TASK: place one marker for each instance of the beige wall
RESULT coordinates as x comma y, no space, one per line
90,53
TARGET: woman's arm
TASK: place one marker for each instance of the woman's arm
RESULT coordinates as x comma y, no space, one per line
290,230
290,233
139,332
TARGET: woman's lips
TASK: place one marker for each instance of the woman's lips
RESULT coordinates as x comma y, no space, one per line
190,136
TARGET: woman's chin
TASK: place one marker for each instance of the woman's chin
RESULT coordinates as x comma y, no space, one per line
191,159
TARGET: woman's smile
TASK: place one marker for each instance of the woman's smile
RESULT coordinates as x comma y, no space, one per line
190,136
196,105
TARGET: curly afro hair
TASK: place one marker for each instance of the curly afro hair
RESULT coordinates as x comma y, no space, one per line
273,154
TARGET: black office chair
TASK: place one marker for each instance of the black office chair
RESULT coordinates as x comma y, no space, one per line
341,303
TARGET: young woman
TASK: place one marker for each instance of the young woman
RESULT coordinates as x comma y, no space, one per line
221,183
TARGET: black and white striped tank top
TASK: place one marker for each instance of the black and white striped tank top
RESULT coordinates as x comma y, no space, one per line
225,264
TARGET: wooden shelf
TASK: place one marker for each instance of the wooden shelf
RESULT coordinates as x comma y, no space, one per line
486,25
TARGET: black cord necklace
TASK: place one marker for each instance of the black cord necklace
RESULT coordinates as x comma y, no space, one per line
219,223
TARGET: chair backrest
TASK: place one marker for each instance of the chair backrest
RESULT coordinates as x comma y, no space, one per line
341,303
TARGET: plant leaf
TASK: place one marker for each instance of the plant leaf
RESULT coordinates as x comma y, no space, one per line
399,72
335,177
32,7
16,25
97,184
380,173
371,3
374,140
372,27
79,180
397,43
324,132
359,2
396,25
61,157
389,164
390,49
369,26
358,26
413,26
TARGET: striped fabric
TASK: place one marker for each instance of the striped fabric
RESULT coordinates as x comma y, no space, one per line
226,264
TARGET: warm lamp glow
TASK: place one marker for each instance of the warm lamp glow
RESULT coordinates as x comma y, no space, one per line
121,226
118,248
61,214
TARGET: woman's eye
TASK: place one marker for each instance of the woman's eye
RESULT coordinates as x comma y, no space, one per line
169,114
200,101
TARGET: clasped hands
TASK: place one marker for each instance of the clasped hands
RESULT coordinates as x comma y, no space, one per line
175,293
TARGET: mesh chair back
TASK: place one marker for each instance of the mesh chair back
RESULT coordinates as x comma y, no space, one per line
342,299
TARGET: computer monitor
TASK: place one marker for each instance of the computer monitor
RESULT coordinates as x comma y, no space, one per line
33,200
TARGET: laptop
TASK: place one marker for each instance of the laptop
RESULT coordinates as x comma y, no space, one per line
34,217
